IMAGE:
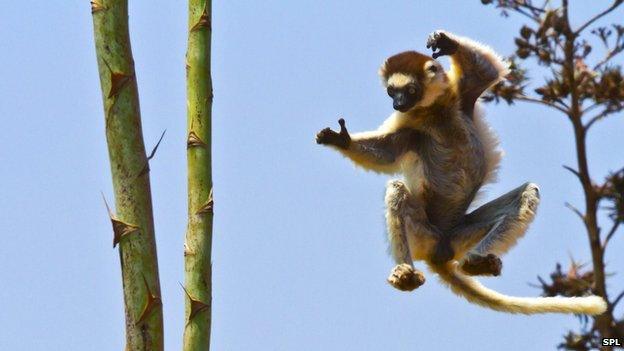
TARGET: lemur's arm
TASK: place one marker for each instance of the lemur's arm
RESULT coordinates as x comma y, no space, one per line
369,150
376,151
474,67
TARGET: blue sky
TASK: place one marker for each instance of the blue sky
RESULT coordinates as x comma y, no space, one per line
299,250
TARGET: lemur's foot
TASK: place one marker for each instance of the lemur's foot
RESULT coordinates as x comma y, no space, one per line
489,264
405,278
339,139
438,40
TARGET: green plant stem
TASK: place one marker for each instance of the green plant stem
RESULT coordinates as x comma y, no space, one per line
198,245
133,223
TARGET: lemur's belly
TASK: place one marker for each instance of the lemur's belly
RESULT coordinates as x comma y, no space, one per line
443,199
420,244
413,171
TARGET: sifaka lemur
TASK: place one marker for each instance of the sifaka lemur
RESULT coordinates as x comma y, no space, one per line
446,152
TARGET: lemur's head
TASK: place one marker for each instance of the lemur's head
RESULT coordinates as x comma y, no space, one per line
413,80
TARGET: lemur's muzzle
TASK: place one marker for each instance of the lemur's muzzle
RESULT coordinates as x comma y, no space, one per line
403,101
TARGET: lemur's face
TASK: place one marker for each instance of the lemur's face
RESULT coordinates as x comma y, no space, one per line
410,90
404,90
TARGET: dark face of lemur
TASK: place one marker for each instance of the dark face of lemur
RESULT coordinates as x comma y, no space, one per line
405,97
412,80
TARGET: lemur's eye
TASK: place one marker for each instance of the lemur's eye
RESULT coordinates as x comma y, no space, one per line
411,90
390,91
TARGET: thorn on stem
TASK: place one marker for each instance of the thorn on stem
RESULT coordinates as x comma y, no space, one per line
196,305
120,228
97,6
146,168
194,141
152,302
203,22
208,206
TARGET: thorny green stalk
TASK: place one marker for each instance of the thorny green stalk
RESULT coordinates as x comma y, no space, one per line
133,223
198,245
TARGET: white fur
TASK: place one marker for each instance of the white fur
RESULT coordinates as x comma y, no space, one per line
493,153
436,86
414,173
392,123
429,65
399,80
475,292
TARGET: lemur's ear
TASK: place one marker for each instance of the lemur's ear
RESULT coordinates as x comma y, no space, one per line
432,68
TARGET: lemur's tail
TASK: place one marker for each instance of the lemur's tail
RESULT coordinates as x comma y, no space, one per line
476,293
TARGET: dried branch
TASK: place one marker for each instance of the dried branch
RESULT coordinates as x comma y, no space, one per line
575,210
534,12
614,228
610,54
617,300
573,171
590,107
528,5
598,117
554,44
539,101
527,15
615,4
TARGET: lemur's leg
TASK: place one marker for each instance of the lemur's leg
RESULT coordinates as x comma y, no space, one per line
491,230
401,209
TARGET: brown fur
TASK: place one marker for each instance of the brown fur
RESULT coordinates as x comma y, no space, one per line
408,62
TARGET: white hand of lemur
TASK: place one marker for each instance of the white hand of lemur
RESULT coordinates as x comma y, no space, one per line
329,137
439,40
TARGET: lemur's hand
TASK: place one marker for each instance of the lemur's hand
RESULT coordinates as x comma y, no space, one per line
329,137
439,40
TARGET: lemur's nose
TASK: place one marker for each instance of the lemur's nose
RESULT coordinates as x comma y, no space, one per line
401,102
400,106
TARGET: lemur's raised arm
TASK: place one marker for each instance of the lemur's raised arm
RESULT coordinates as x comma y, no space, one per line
474,67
